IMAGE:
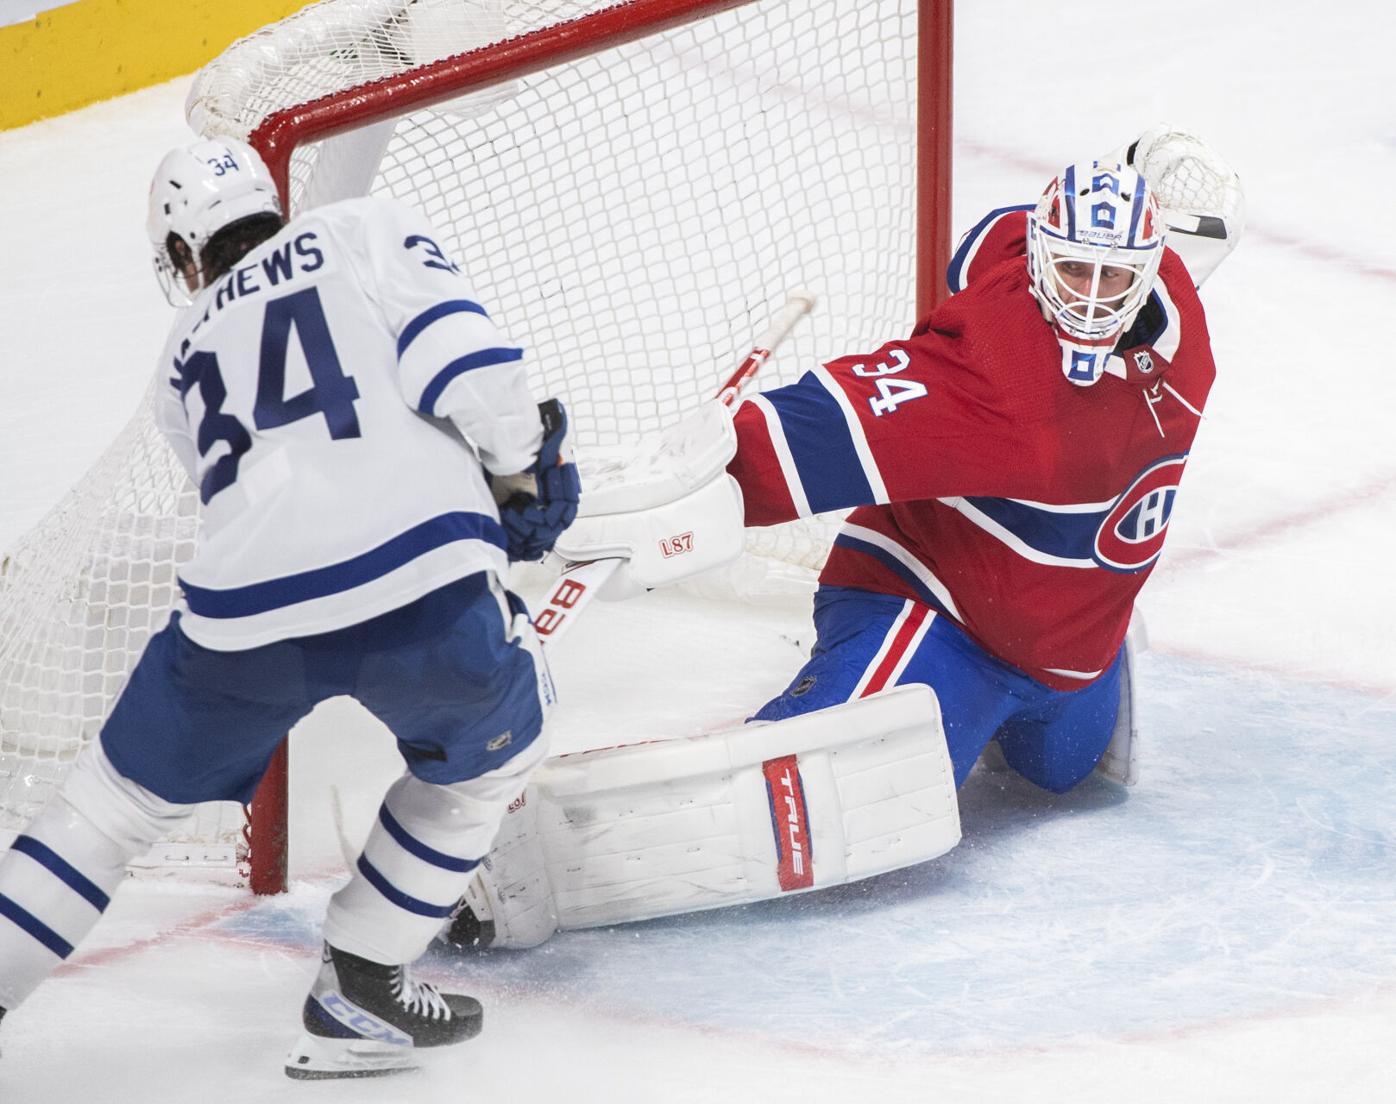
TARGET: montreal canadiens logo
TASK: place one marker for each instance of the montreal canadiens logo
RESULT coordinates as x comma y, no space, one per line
1131,536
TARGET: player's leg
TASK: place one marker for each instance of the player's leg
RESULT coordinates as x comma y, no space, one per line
653,804
58,876
173,739
1057,741
867,642
457,677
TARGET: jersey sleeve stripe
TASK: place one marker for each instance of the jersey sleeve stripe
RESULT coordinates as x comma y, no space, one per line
828,467
432,314
407,903
969,245
63,870
415,847
862,450
31,925
482,358
255,598
900,562
781,447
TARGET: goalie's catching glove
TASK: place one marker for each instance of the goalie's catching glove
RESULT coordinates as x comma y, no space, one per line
1199,194
541,501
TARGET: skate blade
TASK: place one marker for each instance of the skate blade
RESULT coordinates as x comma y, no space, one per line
315,1058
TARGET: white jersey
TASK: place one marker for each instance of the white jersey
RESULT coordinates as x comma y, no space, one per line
307,393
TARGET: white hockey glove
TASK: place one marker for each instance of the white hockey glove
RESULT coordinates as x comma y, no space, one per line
1200,194
667,506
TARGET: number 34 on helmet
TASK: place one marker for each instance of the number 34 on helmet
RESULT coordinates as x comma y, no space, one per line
200,191
1095,241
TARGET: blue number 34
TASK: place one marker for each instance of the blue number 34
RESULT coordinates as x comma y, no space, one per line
331,393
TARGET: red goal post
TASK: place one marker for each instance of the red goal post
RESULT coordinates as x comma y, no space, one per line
632,188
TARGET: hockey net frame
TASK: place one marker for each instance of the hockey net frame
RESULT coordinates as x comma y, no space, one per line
447,78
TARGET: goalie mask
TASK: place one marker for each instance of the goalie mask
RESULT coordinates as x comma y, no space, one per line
1095,242
199,190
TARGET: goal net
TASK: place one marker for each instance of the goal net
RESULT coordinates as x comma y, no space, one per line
633,188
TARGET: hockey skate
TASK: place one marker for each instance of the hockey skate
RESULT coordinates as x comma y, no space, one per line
363,1019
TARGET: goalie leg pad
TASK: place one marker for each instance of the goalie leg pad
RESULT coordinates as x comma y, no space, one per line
1120,763
671,826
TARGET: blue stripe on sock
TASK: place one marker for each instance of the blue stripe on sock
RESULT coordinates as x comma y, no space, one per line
31,924
397,897
416,847
73,878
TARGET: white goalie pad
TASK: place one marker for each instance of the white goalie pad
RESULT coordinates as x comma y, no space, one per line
1120,763
647,830
666,506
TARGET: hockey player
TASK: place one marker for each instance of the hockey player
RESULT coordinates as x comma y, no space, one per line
342,402
1012,466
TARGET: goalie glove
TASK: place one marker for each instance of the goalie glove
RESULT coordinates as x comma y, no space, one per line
667,507
1200,195
541,501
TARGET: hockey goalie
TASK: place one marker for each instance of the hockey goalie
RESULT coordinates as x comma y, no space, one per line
1011,467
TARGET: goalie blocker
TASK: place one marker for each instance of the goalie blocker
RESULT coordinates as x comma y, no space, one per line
648,830
665,509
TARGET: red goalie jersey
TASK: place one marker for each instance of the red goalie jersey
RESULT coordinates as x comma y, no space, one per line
1029,510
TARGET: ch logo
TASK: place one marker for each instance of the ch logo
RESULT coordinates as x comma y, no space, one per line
1130,537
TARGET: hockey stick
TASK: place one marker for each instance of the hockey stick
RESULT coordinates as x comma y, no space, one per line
579,581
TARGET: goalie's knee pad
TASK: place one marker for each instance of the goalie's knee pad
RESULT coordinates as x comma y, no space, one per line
1120,762
509,902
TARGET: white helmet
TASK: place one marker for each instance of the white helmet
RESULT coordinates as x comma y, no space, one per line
1101,215
198,190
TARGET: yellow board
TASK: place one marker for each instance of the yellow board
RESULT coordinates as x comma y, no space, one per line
91,50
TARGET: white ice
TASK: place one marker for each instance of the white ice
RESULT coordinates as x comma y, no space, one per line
1223,932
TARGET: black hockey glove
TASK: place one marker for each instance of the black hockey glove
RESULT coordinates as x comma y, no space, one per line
533,521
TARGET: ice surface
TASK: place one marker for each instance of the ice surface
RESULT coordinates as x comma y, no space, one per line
1223,932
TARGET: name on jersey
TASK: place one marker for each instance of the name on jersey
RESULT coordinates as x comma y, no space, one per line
299,256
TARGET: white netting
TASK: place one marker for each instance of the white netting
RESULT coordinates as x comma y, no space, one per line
79,596
635,218
632,219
